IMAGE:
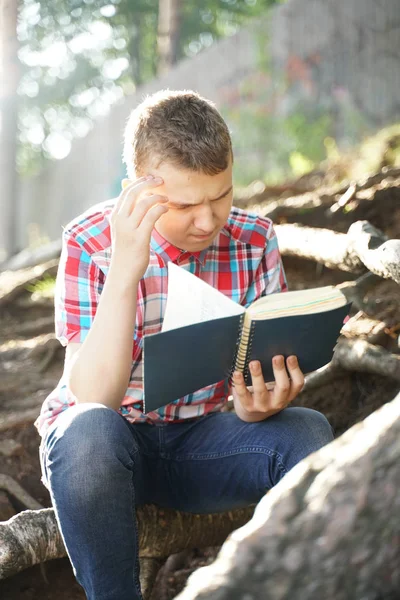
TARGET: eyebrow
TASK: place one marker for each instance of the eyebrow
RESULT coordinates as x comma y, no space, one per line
212,200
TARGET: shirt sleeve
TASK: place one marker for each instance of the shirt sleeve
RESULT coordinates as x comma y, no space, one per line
270,275
79,284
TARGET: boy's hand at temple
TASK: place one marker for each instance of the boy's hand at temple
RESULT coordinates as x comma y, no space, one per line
132,221
258,402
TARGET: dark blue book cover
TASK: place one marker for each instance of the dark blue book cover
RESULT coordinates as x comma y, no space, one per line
183,360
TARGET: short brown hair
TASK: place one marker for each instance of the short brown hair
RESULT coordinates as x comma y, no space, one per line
178,127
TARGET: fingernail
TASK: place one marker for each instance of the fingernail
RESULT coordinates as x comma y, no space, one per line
278,361
237,375
254,365
157,180
292,360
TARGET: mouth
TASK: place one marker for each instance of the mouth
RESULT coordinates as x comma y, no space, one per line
203,237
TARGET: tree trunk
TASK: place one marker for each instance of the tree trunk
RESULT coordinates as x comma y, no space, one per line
135,50
9,78
169,18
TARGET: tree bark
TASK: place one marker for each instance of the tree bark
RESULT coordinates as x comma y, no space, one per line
330,529
9,77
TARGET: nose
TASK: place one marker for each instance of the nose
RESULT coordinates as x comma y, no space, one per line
204,221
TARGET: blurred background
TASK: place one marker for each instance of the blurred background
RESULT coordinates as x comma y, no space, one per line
298,81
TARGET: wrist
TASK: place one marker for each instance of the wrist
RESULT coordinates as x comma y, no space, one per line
122,278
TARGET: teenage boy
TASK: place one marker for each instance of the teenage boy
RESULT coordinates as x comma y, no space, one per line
100,455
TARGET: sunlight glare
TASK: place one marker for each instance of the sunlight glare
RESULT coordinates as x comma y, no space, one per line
108,10
57,146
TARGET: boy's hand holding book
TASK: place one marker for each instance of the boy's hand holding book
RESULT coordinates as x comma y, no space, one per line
257,402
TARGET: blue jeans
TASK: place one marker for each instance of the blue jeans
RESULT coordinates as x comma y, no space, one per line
98,467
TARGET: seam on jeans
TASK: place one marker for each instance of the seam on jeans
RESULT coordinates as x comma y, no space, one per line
226,454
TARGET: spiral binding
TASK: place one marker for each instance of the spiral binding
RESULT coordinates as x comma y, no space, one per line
248,353
233,367
240,363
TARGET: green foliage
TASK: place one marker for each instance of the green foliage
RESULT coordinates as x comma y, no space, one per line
308,130
44,288
273,148
300,164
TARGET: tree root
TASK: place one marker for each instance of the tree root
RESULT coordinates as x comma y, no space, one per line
14,420
33,537
13,488
37,327
363,247
359,355
15,284
149,568
46,352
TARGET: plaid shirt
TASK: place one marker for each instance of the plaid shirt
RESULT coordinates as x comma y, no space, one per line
243,262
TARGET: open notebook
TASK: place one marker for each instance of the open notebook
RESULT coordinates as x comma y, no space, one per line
206,336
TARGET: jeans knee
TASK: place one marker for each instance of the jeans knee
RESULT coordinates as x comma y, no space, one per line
88,438
314,427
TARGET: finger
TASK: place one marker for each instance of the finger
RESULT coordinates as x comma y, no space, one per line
240,390
296,376
142,208
282,382
260,392
125,184
151,217
132,192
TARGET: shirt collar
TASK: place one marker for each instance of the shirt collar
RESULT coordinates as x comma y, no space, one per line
166,251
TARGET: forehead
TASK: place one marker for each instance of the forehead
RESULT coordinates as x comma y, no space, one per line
191,186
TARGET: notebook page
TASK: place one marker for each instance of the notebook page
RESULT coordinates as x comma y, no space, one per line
299,302
190,300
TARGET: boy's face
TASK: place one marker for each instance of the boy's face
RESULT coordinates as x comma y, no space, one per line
199,205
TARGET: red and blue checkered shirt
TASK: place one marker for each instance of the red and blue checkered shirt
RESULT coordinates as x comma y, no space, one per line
243,262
